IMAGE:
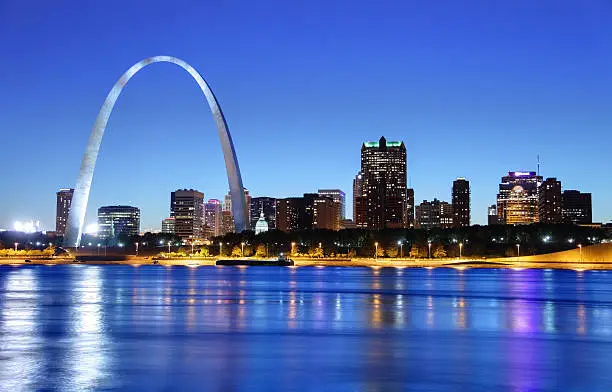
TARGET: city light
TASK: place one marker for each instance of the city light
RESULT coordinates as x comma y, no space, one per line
91,229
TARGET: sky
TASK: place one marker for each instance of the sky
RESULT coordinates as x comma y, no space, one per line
474,88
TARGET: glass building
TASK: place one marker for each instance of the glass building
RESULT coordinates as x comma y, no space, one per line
518,198
114,221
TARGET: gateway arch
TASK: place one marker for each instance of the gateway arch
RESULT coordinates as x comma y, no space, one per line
76,216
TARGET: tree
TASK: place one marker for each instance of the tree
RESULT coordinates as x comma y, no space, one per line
392,251
204,251
438,251
315,251
261,250
236,251
380,252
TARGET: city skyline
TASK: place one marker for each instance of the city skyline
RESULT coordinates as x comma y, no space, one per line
529,99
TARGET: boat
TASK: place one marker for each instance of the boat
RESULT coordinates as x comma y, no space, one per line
282,261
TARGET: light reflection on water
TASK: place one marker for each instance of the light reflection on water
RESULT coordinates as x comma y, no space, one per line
78,328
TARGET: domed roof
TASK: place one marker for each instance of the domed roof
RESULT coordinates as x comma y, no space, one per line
262,225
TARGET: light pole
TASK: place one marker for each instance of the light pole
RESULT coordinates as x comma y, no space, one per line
169,243
401,245
580,247
220,249
242,248
192,248
98,249
518,251
460,248
16,243
136,249
376,251
429,249
292,248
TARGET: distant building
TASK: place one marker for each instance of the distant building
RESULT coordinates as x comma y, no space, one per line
326,214
410,208
517,200
267,205
261,226
435,213
168,225
492,215
289,213
227,223
360,205
347,224
212,218
550,203
337,196
306,213
64,199
227,205
461,202
577,207
114,221
446,215
187,208
383,165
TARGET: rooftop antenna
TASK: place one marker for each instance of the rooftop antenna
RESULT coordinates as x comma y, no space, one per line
538,165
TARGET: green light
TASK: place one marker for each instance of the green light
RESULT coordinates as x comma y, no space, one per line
371,144
389,144
394,144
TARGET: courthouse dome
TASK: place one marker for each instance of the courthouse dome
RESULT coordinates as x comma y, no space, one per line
261,226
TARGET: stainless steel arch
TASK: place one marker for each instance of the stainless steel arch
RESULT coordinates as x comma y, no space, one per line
80,197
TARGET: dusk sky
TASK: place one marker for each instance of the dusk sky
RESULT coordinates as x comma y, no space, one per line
474,88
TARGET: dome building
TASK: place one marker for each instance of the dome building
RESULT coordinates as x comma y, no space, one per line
262,225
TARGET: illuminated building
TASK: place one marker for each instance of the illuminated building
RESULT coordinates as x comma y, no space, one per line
212,218
410,208
227,222
517,200
435,213
326,214
261,226
337,196
308,212
289,213
461,202
360,205
227,205
114,221
267,205
577,207
187,208
550,203
168,225
446,215
383,165
492,218
64,198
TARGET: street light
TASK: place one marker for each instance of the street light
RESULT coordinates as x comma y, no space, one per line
16,243
98,249
242,247
136,249
429,249
401,245
580,247
220,249
192,248
518,251
169,243
376,251
460,248
292,248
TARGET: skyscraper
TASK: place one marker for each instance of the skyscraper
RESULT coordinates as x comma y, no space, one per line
114,221
359,204
267,205
577,207
517,200
492,218
187,208
64,199
337,196
168,225
212,218
550,203
429,214
326,214
383,165
461,203
289,213
410,208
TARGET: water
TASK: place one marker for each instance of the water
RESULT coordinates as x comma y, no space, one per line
155,328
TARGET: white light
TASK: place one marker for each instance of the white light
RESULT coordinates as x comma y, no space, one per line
91,228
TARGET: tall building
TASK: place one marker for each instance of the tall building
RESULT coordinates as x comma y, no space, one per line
227,205
289,213
64,199
492,218
326,214
187,208
168,225
212,218
114,221
360,207
337,196
410,208
383,165
577,207
267,205
461,203
550,203
517,200
227,222
435,213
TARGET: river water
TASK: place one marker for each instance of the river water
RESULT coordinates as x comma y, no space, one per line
155,328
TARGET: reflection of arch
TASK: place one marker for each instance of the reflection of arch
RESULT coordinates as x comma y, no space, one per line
78,206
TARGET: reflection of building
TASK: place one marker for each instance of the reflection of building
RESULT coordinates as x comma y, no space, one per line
434,213
492,215
461,203
337,196
64,199
261,226
360,206
517,200
212,218
577,207
114,221
383,165
168,225
410,208
550,203
187,208
267,205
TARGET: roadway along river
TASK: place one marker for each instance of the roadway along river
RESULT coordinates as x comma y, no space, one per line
155,328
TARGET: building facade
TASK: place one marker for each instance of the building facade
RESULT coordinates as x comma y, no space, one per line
410,221
338,197
517,200
168,225
187,209
267,205
550,203
492,218
212,218
383,165
461,202
577,207
326,214
360,207
435,213
114,221
64,199
289,213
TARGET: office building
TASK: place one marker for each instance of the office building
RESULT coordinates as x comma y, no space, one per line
64,199
337,196
212,218
360,206
383,165
517,200
326,214
227,223
550,203
115,221
187,208
410,208
446,215
435,213
168,225
461,202
289,213
577,207
267,205
492,218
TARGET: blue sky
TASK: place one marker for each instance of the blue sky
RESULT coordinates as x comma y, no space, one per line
474,89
